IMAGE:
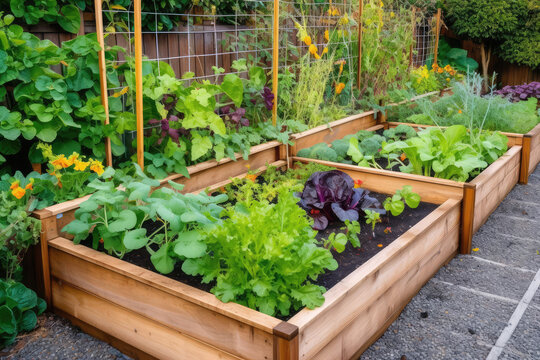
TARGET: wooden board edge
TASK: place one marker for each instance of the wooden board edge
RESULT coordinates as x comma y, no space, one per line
235,311
331,125
497,165
303,318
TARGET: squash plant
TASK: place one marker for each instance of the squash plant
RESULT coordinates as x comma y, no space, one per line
64,13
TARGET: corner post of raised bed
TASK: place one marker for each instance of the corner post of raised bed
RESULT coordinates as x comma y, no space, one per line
41,255
467,218
525,159
286,341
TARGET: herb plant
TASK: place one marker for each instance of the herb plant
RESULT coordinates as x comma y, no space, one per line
396,204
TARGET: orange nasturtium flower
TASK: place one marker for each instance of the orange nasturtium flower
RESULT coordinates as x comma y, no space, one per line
97,167
14,185
18,192
339,88
81,165
312,49
403,157
251,177
30,185
61,162
307,40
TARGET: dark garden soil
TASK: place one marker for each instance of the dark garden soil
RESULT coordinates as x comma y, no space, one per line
349,260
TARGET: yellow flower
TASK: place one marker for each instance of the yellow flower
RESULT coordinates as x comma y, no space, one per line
18,192
14,185
440,70
333,11
460,112
97,167
447,68
392,14
339,88
72,158
326,35
316,56
81,165
448,79
121,92
307,40
325,50
475,249
60,162
382,4
344,20
312,49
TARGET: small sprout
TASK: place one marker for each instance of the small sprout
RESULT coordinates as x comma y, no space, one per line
372,218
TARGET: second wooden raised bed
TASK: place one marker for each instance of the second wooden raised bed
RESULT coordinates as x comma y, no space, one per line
481,196
148,315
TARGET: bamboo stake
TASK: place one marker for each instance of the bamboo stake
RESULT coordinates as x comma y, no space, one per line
139,83
360,11
275,61
437,34
103,75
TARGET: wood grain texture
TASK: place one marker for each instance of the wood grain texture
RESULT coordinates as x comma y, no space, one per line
534,157
332,131
164,308
494,183
167,285
139,331
431,190
351,298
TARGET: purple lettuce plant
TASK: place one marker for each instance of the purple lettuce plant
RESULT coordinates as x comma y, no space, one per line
332,195
268,97
237,117
520,92
166,129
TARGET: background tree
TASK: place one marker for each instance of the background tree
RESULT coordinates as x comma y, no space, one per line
487,22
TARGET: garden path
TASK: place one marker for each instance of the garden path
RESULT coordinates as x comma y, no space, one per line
480,306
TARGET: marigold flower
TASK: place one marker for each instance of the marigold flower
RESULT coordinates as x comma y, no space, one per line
307,40
448,79
339,88
30,185
357,183
18,192
312,49
72,158
81,165
14,185
317,56
326,35
440,70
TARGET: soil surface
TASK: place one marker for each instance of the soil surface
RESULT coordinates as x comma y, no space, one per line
349,260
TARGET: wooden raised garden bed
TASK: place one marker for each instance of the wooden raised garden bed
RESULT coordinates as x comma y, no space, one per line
148,315
481,196
530,148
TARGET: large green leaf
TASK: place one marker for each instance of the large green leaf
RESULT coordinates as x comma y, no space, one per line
126,220
233,87
70,18
8,324
189,245
162,261
135,239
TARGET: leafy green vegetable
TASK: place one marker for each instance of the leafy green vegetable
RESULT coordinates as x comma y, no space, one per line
260,258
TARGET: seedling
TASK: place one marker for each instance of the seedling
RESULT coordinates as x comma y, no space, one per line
372,218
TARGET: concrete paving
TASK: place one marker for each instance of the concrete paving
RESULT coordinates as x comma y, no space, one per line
480,306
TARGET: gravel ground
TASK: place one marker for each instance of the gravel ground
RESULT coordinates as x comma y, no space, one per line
469,310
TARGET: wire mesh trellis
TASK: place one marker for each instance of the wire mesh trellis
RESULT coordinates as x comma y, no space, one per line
318,47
